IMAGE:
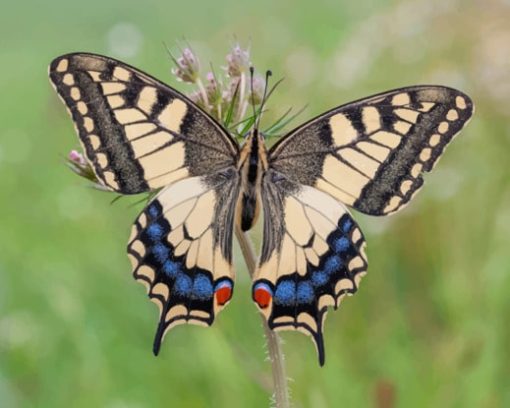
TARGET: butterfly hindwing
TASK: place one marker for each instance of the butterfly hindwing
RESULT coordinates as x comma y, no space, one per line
181,249
312,255
137,133
371,154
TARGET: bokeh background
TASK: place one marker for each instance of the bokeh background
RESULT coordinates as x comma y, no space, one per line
430,324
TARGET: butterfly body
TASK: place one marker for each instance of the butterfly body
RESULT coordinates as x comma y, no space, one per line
140,135
252,165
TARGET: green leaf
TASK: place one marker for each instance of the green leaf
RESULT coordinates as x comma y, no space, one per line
174,60
230,110
282,122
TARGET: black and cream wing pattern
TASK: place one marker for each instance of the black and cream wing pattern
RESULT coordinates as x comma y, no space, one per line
140,135
369,155
313,255
181,250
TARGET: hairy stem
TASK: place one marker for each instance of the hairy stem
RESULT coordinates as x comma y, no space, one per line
203,93
280,386
242,86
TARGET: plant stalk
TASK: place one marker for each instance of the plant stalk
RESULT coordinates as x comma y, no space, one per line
203,93
280,385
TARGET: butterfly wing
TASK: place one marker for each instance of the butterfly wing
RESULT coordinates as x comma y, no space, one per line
368,154
181,249
137,133
312,256
371,154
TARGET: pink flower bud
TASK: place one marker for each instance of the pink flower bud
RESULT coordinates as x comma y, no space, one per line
258,89
188,66
77,158
238,61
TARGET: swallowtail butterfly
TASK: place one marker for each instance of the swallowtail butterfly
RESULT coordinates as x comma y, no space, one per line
140,135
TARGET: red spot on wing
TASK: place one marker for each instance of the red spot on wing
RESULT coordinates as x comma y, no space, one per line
263,297
223,295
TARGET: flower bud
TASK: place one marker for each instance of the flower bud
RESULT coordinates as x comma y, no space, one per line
238,61
187,66
212,88
79,165
77,158
259,85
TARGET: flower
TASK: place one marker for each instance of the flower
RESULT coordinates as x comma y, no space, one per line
238,61
78,164
257,93
213,89
77,158
187,66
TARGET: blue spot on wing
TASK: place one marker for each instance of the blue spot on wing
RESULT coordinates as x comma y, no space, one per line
305,292
160,252
332,264
265,286
319,278
202,287
224,283
155,232
171,269
153,210
285,293
346,226
183,285
341,244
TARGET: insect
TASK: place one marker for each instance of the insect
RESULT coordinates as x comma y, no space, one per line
140,135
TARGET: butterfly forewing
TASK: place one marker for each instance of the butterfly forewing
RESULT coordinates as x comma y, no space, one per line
371,154
181,249
137,133
312,256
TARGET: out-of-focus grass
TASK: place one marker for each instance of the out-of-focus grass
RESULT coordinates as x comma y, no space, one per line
429,326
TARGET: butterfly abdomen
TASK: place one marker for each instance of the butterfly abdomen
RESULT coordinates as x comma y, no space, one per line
252,164
248,210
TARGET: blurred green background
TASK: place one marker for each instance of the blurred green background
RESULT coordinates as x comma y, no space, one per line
430,325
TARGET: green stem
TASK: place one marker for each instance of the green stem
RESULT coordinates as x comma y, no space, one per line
280,385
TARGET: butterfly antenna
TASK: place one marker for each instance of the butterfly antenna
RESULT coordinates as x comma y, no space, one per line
252,99
264,98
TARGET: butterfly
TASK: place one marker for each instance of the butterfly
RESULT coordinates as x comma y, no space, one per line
140,135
